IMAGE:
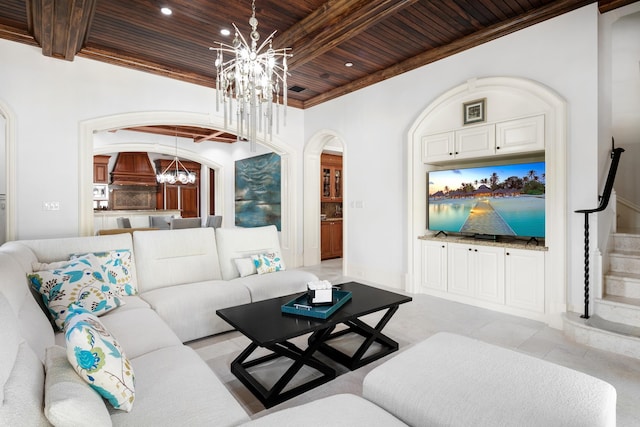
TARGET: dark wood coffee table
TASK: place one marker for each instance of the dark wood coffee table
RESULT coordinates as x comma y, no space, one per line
267,327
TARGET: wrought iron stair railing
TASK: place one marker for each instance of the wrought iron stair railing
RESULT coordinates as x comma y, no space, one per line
604,202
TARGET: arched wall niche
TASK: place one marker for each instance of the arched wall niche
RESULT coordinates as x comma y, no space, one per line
86,151
10,225
506,98
311,215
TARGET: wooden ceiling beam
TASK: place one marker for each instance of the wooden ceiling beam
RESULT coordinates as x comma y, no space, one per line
490,33
60,26
609,5
334,23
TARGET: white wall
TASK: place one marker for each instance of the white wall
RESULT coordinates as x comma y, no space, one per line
560,53
50,97
625,105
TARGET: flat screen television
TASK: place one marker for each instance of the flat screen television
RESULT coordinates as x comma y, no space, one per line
488,201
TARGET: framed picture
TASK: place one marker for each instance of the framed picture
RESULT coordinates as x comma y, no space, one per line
100,192
474,111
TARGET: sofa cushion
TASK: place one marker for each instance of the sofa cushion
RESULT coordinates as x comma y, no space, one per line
118,267
81,281
139,331
340,410
98,358
68,400
242,243
190,310
453,380
33,324
245,266
265,286
174,386
21,375
173,257
268,262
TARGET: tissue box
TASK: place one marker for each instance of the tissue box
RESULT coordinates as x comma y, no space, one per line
320,292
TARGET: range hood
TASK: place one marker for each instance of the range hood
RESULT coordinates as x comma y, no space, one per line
133,168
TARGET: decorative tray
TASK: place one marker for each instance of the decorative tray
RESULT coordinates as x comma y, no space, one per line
301,306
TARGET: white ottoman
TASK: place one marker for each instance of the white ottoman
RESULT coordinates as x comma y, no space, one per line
457,381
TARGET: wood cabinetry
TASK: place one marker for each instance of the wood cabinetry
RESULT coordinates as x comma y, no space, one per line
184,197
518,136
101,169
330,178
501,276
330,239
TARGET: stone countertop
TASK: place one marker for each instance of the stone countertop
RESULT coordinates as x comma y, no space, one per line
330,219
504,242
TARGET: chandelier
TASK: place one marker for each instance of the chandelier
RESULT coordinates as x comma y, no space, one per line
253,77
175,172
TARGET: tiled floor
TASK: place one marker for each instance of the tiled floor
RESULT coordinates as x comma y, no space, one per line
427,315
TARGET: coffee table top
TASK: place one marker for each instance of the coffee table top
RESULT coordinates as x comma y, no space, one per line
264,323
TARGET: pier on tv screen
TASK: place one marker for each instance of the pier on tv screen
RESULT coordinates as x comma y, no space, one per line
504,200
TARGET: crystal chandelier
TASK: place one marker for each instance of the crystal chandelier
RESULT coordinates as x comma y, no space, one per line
253,77
175,172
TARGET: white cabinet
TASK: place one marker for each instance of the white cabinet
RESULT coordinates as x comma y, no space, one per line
438,147
519,136
476,271
434,265
473,142
503,278
522,135
525,279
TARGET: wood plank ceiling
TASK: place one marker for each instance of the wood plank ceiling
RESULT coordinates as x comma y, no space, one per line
380,38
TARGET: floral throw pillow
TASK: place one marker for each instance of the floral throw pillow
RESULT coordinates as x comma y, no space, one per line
98,358
268,263
116,265
81,281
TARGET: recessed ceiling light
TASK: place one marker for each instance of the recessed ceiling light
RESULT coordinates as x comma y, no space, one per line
348,64
166,11
225,32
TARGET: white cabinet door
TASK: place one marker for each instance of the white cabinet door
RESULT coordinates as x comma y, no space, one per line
488,273
520,136
459,269
434,265
438,147
475,142
525,279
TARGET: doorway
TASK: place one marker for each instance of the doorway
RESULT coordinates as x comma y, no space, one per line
333,144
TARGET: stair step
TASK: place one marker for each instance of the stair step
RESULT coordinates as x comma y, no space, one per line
602,334
624,261
622,284
626,241
618,309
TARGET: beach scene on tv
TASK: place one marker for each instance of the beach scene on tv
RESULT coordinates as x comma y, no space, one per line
507,200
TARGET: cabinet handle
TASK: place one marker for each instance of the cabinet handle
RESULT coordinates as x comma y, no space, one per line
508,253
497,148
476,250
442,246
451,154
456,152
470,249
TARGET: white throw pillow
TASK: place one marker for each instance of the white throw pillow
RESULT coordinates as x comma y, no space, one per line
68,400
117,265
268,263
98,358
81,281
246,267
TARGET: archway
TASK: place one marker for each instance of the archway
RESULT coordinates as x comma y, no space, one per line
311,214
508,94
87,129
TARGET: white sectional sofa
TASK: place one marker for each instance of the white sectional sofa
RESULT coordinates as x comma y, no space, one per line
182,278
